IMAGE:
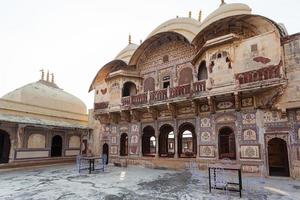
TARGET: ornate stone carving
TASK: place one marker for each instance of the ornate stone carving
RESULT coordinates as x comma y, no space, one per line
204,108
225,118
225,105
248,118
207,151
250,151
274,117
205,122
247,102
114,150
205,137
249,134
114,139
250,168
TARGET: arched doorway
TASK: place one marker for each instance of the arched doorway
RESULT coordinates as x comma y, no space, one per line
278,158
187,141
148,141
105,150
129,89
166,141
124,145
56,146
227,147
202,71
4,147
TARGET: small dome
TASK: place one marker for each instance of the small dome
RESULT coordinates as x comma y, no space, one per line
188,27
47,95
224,11
127,52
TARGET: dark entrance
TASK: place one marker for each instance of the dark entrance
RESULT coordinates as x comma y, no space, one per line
4,147
56,146
105,151
124,145
148,141
278,158
227,144
166,141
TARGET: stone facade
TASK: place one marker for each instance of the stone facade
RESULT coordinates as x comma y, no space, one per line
230,95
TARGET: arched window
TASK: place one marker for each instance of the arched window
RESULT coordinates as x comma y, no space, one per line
124,145
129,89
166,141
148,141
185,76
149,84
187,141
227,143
202,71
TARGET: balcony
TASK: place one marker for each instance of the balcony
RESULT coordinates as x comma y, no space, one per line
182,91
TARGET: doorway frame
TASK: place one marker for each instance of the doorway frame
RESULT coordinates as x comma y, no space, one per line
285,137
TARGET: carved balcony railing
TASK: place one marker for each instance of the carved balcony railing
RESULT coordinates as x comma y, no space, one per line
199,86
139,99
182,90
126,101
159,95
266,73
102,105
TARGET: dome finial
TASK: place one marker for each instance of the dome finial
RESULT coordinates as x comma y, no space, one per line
222,2
47,76
43,74
129,38
190,14
200,16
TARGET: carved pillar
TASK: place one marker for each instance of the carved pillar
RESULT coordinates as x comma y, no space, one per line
211,104
156,138
176,138
20,136
198,134
237,101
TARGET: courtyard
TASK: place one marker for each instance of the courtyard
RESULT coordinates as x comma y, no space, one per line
135,182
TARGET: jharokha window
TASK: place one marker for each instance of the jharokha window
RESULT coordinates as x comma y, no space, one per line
166,82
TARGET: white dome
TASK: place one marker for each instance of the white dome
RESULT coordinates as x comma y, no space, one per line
127,52
188,27
47,95
224,11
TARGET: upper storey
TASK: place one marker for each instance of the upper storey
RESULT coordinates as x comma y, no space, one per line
231,51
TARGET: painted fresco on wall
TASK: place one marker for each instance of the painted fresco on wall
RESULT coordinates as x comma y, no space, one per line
205,122
114,150
207,151
250,151
249,134
133,150
205,137
247,102
204,108
225,105
114,140
274,116
249,118
134,139
250,168
298,115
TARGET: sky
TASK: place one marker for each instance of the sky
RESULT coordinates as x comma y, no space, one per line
74,38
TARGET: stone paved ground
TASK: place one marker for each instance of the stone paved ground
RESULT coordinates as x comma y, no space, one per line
64,182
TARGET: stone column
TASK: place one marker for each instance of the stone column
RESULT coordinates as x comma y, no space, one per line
156,138
198,134
176,138
140,139
20,136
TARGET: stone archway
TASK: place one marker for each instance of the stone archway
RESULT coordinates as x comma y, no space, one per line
187,141
149,141
4,147
124,145
105,150
56,146
166,141
278,160
227,147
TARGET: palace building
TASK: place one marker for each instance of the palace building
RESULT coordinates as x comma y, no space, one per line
40,122
225,88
